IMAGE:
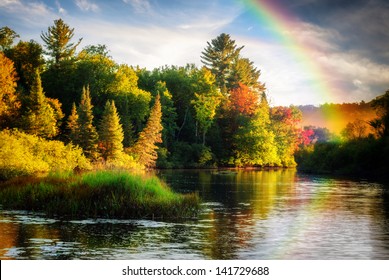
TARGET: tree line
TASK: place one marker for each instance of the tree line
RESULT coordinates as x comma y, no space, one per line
173,116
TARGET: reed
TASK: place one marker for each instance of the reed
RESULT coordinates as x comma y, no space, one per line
106,194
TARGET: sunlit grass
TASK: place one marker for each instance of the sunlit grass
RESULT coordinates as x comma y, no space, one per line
109,194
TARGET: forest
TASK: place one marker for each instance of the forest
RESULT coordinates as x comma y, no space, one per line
65,108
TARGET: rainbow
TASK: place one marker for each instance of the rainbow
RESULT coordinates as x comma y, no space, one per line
279,21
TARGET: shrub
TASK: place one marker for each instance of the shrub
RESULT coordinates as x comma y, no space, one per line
23,154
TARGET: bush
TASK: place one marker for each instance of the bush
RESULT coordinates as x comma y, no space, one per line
23,154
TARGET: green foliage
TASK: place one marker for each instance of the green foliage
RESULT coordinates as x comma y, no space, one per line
359,157
244,72
86,131
219,56
23,154
39,117
28,59
254,142
57,40
381,124
101,194
189,155
285,124
72,125
169,114
207,100
7,37
111,133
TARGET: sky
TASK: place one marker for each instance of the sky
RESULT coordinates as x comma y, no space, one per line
308,51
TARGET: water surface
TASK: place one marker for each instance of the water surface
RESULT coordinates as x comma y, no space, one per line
247,215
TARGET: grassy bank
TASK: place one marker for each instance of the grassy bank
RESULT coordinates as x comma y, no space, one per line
108,194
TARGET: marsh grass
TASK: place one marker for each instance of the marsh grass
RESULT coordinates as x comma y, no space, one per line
108,194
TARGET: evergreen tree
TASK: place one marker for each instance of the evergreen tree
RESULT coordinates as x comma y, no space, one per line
244,72
72,125
87,134
39,117
111,133
57,40
219,56
146,148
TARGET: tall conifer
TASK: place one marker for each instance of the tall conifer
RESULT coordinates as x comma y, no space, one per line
87,134
39,118
111,133
72,124
146,148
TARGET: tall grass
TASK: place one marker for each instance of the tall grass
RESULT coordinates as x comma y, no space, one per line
108,194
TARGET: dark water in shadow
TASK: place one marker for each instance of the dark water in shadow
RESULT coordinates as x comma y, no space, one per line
247,215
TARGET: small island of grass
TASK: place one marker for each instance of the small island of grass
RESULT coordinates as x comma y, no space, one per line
108,194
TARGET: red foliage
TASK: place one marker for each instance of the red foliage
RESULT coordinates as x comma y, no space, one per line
306,137
244,100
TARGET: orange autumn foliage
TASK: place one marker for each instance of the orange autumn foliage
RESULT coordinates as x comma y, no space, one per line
244,100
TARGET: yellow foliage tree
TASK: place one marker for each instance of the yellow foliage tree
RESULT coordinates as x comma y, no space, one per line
9,103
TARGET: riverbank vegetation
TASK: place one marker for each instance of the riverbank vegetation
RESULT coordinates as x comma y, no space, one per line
92,112
357,151
103,194
122,116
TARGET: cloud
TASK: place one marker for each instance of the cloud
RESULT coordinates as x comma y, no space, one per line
145,46
87,6
26,13
140,6
61,10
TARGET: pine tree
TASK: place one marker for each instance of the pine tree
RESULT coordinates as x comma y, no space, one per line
111,133
219,56
57,40
39,118
72,124
145,148
87,134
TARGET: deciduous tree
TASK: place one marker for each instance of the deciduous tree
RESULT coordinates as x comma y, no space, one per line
7,37
9,103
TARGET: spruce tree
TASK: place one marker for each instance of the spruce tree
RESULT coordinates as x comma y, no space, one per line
111,133
72,124
39,118
87,134
145,148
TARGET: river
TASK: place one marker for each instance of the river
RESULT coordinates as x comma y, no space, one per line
246,215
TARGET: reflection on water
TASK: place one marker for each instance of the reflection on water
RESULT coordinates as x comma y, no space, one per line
246,215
